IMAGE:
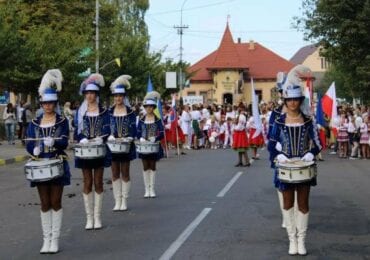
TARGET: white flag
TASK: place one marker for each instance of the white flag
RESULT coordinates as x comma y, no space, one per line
255,112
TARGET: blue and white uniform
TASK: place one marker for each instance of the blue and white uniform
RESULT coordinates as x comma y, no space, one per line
146,130
122,126
93,125
58,130
296,140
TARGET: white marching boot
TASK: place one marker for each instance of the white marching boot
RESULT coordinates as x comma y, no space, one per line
97,210
46,231
302,222
88,201
125,191
152,183
281,204
291,230
146,183
117,194
56,222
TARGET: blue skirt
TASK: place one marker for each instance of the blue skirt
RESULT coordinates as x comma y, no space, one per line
94,163
125,157
152,156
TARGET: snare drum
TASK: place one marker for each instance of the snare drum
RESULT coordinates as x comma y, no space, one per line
297,172
119,146
147,147
43,169
90,151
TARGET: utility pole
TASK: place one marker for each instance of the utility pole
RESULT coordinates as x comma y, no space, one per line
97,36
180,30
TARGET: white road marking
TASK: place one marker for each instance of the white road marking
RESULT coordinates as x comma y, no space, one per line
184,235
229,185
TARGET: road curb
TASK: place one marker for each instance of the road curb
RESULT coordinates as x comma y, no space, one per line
18,158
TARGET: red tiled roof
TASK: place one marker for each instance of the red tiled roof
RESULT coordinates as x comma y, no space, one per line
227,55
261,62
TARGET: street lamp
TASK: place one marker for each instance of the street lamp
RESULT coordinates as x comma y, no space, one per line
97,35
181,31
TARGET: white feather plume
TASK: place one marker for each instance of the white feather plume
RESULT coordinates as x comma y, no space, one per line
152,95
52,79
121,80
280,77
97,79
295,74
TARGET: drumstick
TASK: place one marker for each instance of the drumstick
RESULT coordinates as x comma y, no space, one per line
39,139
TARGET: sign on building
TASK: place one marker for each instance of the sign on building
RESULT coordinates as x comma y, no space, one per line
191,100
171,80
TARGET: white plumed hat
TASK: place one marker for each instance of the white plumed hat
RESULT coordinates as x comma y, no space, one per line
93,83
51,83
120,85
151,98
293,87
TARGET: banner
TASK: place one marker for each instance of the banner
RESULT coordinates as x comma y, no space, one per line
191,100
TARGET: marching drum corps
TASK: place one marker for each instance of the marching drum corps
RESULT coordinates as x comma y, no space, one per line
113,137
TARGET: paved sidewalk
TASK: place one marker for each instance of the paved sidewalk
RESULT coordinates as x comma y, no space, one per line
12,153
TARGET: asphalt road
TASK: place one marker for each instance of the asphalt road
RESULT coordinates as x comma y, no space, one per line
205,209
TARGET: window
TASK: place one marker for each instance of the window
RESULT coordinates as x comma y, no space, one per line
191,93
324,63
204,94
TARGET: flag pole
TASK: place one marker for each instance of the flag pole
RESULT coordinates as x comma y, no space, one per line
177,137
165,138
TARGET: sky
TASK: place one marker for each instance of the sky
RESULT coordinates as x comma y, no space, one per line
268,22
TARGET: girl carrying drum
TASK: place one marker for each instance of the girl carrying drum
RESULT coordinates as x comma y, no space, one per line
123,127
47,138
150,130
92,129
294,135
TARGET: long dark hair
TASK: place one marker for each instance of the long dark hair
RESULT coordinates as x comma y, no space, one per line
9,108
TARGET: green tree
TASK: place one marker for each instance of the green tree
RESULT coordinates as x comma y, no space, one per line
49,34
343,29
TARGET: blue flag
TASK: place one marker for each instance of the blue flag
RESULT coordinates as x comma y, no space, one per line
149,87
320,120
158,111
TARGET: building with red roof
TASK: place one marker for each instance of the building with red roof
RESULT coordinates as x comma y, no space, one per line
224,75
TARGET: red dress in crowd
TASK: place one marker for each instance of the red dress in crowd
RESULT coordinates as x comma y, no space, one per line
257,141
171,131
240,139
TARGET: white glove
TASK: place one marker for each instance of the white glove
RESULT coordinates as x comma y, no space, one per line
129,139
278,147
84,141
36,151
98,140
281,158
152,139
308,157
111,138
49,141
142,140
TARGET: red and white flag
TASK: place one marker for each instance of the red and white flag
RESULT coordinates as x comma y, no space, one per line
329,105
